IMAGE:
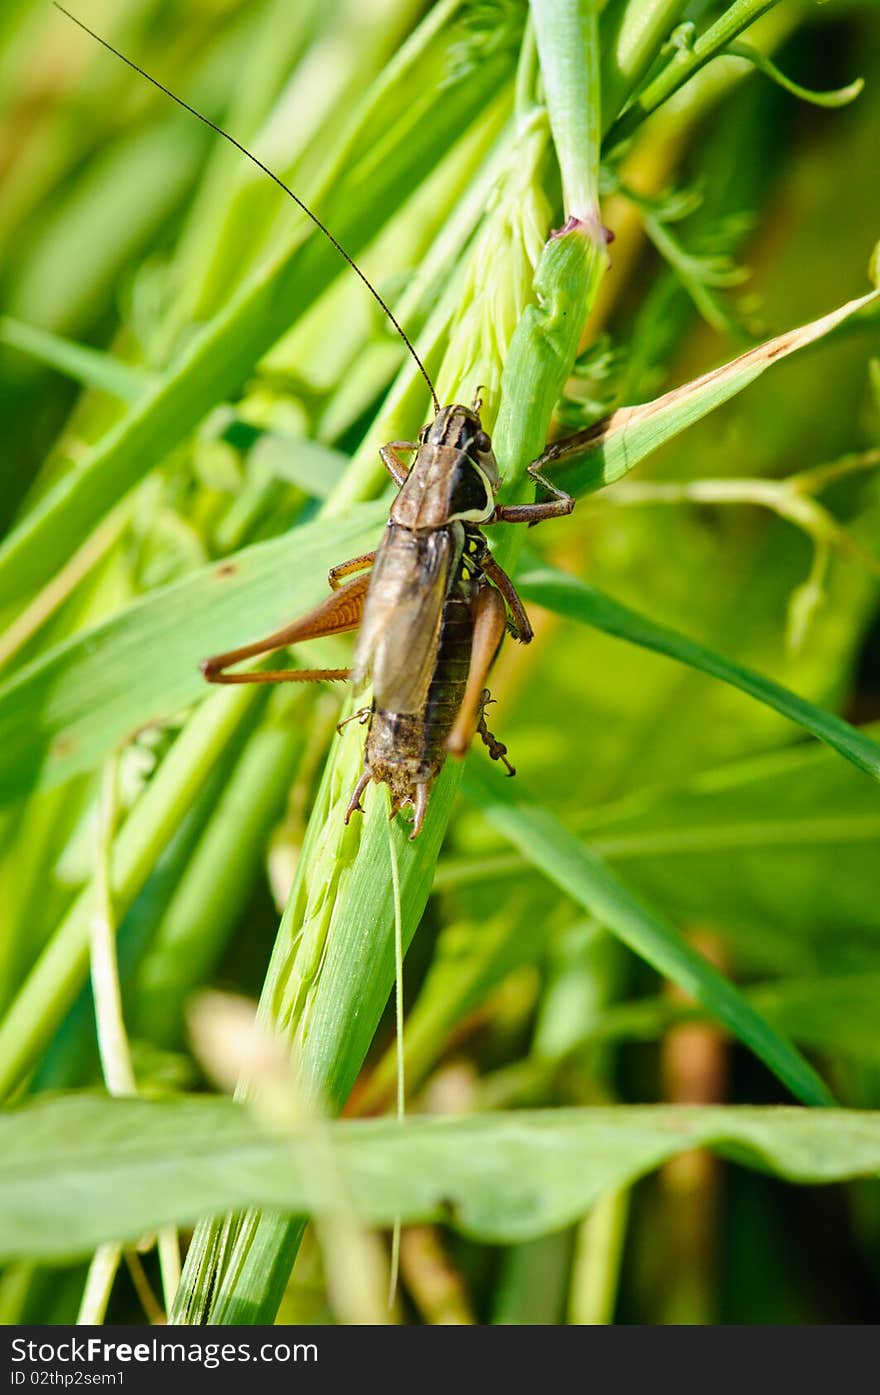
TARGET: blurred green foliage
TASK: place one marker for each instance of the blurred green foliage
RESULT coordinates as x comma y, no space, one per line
188,374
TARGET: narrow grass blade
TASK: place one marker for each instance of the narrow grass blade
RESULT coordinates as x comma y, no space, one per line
579,601
218,359
610,449
59,973
91,367
78,1171
836,1014
577,870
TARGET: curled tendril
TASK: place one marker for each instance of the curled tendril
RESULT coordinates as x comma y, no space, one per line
837,97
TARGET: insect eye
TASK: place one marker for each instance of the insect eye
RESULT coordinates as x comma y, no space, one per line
482,442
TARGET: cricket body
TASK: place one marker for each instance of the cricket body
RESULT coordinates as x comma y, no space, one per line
432,606
431,603
433,620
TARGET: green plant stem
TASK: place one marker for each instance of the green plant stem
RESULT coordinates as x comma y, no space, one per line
56,591
99,1285
567,35
687,60
787,498
542,352
113,1046
632,33
597,1259
398,1032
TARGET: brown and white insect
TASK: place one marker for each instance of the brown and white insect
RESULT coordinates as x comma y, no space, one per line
432,606
431,603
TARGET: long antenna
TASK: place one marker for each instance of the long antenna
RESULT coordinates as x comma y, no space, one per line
272,175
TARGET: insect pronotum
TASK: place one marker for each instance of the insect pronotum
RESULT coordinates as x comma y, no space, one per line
431,603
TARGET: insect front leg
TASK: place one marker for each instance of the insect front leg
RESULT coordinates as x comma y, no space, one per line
558,506
340,612
396,468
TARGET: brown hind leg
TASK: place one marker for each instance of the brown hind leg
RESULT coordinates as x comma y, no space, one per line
337,613
497,749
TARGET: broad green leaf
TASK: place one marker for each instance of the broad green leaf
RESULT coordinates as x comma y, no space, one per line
77,1171
580,872
610,449
64,712
577,599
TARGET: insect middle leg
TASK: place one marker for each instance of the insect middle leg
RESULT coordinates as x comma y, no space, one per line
337,574
362,716
520,625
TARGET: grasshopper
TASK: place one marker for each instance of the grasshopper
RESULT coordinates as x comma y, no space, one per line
431,603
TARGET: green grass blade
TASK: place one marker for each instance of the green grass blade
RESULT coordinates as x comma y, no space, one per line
578,600
58,974
607,451
577,870
78,1171
91,367
64,712
836,1015
218,359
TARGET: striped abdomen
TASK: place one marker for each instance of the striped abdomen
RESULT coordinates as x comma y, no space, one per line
407,749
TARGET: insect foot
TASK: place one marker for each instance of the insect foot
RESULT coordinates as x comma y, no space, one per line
497,749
